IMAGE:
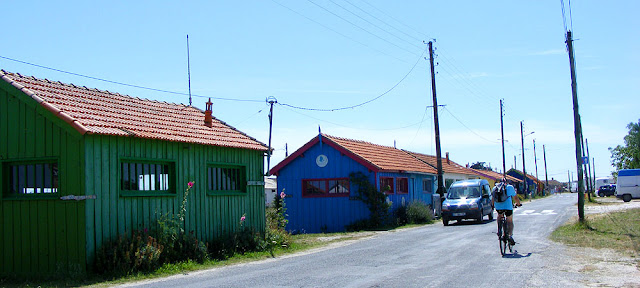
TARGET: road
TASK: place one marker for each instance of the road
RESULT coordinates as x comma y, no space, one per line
460,255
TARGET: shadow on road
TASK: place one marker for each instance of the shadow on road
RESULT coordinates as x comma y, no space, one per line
516,255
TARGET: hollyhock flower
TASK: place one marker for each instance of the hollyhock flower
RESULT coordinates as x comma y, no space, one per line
282,195
242,218
190,184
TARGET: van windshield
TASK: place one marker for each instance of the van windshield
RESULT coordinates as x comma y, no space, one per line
463,192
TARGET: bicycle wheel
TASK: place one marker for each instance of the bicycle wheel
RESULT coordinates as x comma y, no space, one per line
501,238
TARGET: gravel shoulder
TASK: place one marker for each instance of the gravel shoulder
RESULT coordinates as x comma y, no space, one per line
603,267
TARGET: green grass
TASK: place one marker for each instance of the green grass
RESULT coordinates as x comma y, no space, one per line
617,230
301,242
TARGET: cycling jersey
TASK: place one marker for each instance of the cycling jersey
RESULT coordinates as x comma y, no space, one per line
506,205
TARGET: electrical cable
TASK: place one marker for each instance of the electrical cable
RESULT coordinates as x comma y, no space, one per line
494,142
126,84
365,30
374,25
341,34
361,104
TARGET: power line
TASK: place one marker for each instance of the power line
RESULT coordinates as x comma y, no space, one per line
445,108
359,128
125,84
374,25
363,29
339,33
401,23
361,104
372,16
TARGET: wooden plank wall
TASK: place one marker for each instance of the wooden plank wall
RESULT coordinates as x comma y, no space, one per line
39,233
208,216
315,215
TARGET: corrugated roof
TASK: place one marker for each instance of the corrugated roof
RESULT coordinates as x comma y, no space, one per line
447,166
93,111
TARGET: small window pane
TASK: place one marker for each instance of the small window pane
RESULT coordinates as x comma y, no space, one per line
32,178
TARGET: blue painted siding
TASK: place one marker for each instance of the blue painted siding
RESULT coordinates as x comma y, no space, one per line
416,192
314,215
332,214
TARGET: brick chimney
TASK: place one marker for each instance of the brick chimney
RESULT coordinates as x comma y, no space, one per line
448,162
208,118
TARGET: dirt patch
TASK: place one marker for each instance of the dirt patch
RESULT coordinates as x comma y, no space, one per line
604,267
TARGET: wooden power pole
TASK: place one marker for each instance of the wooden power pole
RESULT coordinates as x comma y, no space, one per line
577,130
504,164
435,122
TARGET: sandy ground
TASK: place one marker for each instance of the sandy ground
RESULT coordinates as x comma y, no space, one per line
604,267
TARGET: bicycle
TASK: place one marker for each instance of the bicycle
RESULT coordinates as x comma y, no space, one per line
503,238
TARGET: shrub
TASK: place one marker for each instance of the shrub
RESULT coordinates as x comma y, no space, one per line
419,213
375,200
401,215
140,252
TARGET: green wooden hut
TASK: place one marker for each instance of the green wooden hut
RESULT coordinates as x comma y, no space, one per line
82,166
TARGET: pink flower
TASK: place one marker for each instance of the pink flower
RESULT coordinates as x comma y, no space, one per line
190,184
242,218
282,195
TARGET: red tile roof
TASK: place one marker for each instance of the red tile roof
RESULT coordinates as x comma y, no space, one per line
495,175
385,157
376,157
448,166
93,111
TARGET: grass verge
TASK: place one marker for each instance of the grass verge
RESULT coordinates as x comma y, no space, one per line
301,242
616,230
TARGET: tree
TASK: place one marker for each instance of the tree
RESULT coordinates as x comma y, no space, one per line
627,156
481,166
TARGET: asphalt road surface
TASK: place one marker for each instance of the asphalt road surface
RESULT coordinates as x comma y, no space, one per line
460,255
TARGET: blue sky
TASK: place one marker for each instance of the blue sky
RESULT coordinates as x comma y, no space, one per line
329,54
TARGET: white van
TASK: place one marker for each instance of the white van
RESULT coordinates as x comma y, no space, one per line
628,184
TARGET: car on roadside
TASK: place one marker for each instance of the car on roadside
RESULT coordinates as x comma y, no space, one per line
467,199
607,190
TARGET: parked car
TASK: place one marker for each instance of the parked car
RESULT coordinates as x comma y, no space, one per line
607,190
467,199
628,184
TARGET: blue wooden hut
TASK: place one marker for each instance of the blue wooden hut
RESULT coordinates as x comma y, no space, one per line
316,181
532,182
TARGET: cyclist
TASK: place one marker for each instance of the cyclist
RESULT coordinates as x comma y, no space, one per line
505,208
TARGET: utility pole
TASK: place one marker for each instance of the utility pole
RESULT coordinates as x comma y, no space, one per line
524,169
569,179
271,100
515,163
577,125
589,180
535,160
546,178
435,122
504,167
593,164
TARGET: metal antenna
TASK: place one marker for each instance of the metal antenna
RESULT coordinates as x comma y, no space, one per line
189,69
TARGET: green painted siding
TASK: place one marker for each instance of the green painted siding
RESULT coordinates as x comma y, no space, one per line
40,233
208,216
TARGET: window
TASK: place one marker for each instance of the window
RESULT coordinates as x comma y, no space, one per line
223,179
36,178
448,182
402,184
386,185
146,176
427,186
338,187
